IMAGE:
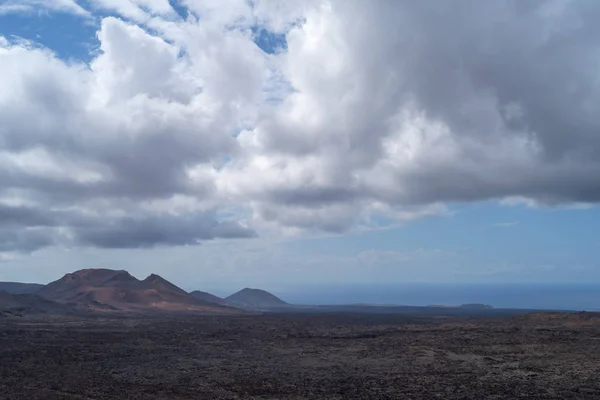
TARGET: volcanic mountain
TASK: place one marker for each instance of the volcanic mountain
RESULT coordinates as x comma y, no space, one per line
117,290
255,299
209,297
20,288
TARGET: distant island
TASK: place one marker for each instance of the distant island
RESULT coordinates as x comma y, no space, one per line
474,306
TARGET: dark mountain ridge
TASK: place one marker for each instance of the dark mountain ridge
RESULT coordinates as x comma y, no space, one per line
255,298
20,288
205,296
104,289
30,304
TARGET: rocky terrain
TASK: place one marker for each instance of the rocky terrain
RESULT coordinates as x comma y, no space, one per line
302,356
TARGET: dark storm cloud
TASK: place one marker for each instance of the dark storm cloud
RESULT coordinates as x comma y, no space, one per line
24,216
506,77
159,231
25,240
28,229
483,99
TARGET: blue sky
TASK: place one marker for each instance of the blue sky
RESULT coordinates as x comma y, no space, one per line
69,36
339,181
72,37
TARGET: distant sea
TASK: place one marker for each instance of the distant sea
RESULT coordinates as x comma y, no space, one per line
537,296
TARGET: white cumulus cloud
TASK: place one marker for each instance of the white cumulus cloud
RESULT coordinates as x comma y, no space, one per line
374,112
28,6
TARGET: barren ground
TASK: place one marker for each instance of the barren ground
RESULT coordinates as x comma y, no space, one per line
545,356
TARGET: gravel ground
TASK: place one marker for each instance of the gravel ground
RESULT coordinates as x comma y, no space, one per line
330,356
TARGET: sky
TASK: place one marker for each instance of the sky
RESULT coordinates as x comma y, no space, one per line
282,144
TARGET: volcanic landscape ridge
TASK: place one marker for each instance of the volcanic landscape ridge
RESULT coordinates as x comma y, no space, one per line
94,291
114,291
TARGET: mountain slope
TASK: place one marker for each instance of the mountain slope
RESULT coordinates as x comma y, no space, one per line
255,298
20,288
158,282
30,304
118,290
209,297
